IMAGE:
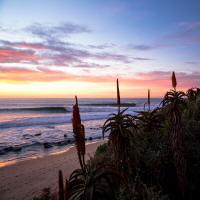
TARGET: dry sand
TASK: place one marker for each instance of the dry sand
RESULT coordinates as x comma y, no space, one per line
25,179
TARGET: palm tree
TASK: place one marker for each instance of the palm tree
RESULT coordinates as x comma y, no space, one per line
174,103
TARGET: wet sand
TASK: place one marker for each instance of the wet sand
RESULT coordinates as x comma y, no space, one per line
26,179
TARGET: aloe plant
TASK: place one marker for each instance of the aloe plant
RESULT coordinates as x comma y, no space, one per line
174,103
97,185
120,127
193,94
149,120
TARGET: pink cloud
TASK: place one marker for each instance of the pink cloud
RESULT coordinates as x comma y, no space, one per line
15,56
157,80
29,46
191,34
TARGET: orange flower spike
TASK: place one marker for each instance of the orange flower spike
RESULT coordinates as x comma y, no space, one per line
149,100
174,83
118,95
76,120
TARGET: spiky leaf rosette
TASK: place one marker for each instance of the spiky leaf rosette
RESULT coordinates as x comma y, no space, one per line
98,184
120,136
193,94
174,83
149,121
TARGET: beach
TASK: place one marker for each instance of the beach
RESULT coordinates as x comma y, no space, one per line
24,180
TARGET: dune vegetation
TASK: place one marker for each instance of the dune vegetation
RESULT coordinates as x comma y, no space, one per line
152,155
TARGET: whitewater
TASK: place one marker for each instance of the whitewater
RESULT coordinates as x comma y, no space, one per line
37,127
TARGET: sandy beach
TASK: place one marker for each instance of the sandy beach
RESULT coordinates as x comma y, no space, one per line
25,179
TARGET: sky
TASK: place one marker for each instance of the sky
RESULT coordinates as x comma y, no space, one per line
62,48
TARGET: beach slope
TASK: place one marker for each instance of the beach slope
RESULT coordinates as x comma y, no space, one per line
26,179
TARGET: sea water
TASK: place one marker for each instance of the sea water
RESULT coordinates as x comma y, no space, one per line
36,127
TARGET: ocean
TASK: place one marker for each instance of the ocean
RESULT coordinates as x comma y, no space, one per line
31,128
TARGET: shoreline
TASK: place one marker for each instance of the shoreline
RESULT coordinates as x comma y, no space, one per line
25,179
54,152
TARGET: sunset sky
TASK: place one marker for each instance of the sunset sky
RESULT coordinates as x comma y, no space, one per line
59,48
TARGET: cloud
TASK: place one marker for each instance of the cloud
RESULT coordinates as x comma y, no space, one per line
22,45
163,79
51,51
114,57
10,55
42,74
156,80
191,62
49,32
19,74
140,58
90,65
100,47
144,47
190,34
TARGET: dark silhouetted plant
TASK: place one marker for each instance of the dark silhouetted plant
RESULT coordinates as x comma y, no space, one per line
118,96
62,191
149,120
193,94
174,104
149,101
79,135
120,128
97,185
60,186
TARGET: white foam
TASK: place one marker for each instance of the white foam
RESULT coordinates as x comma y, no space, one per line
45,120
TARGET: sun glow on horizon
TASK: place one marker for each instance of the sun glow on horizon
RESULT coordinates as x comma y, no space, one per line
47,56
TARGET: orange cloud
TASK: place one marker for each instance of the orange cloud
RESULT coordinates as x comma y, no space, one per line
12,55
159,82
